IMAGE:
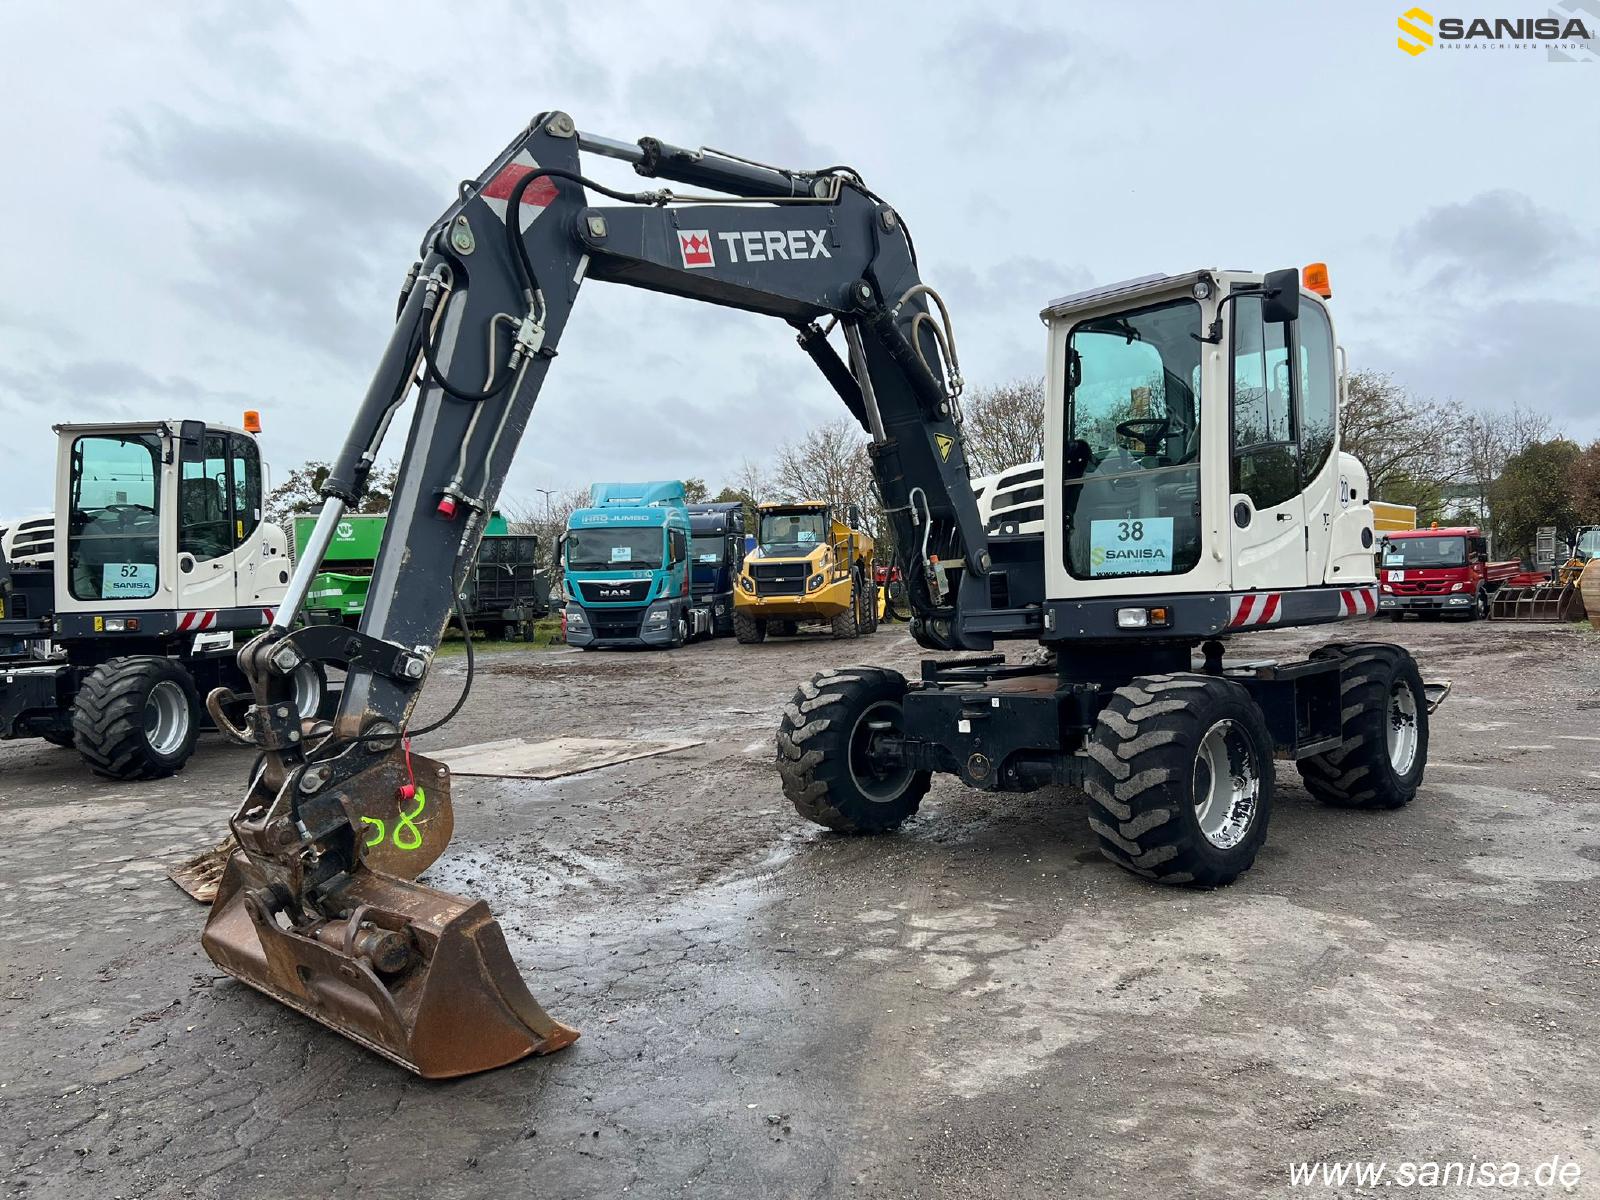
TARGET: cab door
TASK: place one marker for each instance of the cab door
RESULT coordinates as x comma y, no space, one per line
257,565
1327,497
206,529
1266,503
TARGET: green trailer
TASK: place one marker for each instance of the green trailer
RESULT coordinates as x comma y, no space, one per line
503,596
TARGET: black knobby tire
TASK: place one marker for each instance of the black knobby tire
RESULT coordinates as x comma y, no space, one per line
821,742
845,625
1362,773
783,628
1149,763
747,629
109,717
872,608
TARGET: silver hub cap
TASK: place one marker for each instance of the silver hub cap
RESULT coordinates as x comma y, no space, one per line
1403,731
1227,784
875,781
166,717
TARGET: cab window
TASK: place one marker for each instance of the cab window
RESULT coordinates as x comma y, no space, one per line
246,481
678,542
1319,407
1266,457
205,520
113,517
1131,456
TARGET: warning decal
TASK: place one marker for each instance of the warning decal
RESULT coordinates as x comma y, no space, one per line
944,441
497,192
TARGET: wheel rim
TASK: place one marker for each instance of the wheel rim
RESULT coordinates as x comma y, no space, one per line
307,691
1227,784
1404,732
871,779
166,717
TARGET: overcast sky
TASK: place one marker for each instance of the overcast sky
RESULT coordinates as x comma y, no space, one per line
211,207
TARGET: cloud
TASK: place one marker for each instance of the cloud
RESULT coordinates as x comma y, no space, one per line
722,102
998,57
295,230
1498,238
1542,353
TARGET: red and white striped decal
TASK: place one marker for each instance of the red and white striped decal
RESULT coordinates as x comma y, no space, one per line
268,613
497,192
1254,608
1358,602
197,621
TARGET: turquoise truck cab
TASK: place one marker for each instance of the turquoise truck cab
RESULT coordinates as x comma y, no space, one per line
627,571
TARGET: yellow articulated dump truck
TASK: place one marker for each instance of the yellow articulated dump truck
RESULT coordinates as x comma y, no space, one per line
807,566
1393,518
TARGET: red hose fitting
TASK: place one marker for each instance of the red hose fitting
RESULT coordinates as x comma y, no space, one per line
447,508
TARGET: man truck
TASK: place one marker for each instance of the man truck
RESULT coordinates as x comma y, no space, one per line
627,569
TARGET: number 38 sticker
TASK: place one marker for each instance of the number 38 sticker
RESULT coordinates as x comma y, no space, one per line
1131,546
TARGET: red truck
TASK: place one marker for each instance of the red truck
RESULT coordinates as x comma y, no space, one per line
1435,571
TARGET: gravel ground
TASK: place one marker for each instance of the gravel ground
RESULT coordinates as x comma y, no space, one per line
976,1006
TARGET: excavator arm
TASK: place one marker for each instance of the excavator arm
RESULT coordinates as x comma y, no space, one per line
313,908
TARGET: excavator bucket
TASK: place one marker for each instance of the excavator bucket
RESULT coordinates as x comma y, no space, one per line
418,975
403,838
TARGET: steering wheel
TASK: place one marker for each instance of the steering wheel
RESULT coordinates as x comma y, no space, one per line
122,508
1160,429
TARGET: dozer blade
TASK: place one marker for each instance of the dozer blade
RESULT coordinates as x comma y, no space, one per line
418,975
402,838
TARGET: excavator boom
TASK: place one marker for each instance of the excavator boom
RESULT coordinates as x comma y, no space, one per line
303,913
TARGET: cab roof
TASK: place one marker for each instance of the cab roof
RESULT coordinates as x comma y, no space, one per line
793,506
1096,296
1451,531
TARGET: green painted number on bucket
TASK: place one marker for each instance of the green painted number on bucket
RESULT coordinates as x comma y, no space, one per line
405,829
406,835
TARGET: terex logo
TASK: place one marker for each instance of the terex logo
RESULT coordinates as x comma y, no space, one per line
753,246
1417,24
695,246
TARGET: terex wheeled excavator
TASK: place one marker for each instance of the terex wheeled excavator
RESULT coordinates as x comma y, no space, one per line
1193,488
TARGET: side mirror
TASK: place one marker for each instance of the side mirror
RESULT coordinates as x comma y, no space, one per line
1280,296
191,441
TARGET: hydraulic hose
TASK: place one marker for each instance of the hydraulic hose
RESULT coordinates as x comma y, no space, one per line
466,688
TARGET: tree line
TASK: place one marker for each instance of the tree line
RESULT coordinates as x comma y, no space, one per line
1508,470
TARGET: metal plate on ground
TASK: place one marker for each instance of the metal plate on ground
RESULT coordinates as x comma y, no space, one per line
520,758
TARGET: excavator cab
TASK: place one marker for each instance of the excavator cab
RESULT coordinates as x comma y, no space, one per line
1192,441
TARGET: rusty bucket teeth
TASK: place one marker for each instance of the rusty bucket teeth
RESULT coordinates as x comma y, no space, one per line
420,976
